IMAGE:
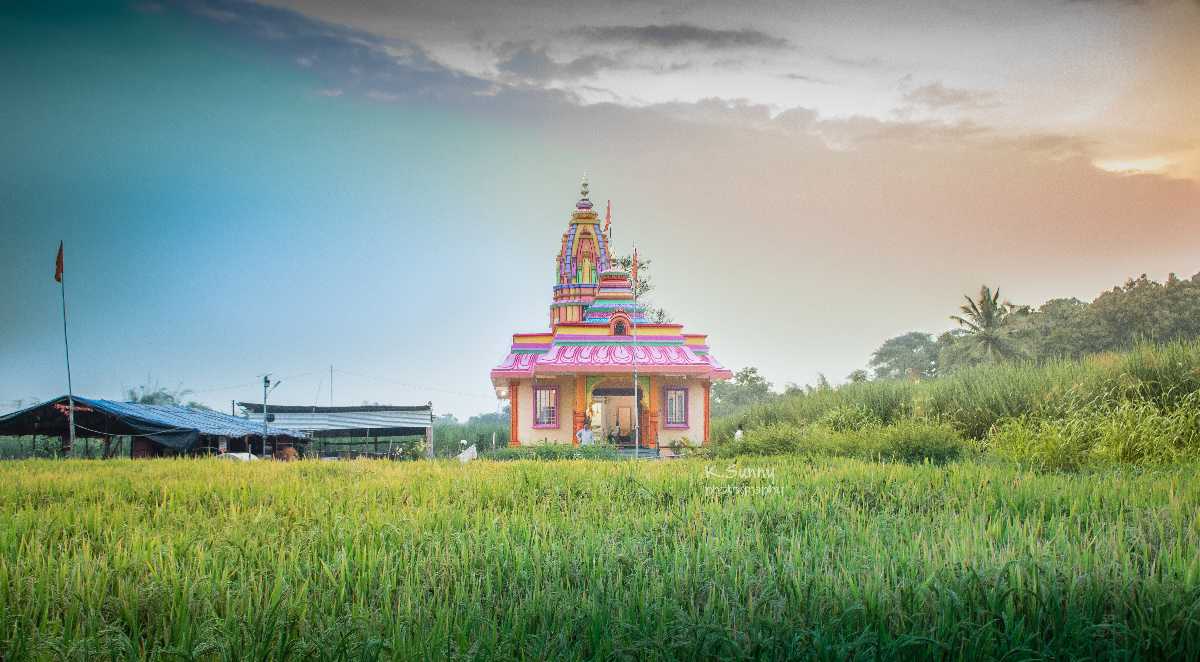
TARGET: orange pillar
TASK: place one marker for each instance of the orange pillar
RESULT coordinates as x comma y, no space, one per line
652,414
707,413
514,419
580,404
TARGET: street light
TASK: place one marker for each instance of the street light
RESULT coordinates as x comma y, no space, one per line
267,388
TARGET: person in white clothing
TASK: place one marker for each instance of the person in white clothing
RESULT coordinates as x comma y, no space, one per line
584,435
737,436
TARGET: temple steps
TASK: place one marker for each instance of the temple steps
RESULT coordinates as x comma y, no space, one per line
631,453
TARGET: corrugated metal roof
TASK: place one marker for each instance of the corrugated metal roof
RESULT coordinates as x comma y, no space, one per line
205,422
345,418
300,409
170,425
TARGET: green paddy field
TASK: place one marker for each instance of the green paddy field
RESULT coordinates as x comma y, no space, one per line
764,558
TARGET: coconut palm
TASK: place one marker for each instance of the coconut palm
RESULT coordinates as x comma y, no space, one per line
988,324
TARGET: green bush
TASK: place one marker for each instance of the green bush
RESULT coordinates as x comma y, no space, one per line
885,400
553,452
1128,432
977,400
909,440
772,439
849,417
916,441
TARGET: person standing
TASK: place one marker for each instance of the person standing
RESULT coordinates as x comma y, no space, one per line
584,435
737,436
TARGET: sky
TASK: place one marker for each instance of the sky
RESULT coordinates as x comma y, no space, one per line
381,187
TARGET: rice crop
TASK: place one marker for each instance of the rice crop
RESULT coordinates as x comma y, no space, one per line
767,558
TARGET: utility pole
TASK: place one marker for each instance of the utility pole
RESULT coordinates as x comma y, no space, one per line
430,432
637,400
266,385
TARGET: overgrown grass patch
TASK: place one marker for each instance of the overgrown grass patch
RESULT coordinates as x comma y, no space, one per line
553,452
1138,407
1127,432
908,440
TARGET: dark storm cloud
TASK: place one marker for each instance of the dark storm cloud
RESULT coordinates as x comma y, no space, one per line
344,58
532,63
678,35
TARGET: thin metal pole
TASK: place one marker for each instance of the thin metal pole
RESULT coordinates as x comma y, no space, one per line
429,430
637,400
266,381
67,347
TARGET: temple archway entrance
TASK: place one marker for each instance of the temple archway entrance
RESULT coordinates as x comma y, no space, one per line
613,411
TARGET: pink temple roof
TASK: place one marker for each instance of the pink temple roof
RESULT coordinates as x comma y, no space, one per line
562,359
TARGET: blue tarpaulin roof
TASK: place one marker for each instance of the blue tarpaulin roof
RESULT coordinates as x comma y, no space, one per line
170,425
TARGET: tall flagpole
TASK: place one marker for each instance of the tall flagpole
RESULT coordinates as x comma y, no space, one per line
62,282
637,399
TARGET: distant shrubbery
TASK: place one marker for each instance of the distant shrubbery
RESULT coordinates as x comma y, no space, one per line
911,440
1142,406
553,452
1131,431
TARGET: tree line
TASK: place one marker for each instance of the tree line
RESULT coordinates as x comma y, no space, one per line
990,329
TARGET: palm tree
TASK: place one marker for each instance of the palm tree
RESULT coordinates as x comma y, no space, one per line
988,324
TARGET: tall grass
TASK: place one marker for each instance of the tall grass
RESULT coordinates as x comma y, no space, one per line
903,441
974,400
1125,432
777,558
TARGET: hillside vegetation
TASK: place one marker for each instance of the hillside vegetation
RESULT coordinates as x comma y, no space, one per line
1141,406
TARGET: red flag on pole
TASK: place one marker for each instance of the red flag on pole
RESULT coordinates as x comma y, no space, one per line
58,263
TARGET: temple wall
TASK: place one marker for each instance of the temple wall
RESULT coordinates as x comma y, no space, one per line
563,434
695,430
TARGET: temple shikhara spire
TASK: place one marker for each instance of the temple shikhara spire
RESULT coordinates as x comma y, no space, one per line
579,373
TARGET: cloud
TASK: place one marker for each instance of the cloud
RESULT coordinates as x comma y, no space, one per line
350,62
936,96
344,58
532,63
807,79
856,62
680,35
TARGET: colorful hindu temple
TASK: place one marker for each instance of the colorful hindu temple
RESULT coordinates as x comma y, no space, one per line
581,372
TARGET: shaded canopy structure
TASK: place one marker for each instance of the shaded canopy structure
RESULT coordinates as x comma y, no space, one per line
179,429
332,422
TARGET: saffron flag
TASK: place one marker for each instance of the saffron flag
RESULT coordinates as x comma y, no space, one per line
608,217
58,263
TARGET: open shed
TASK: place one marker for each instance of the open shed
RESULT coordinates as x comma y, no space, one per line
155,430
364,421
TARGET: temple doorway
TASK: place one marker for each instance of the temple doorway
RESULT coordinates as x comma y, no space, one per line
613,413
